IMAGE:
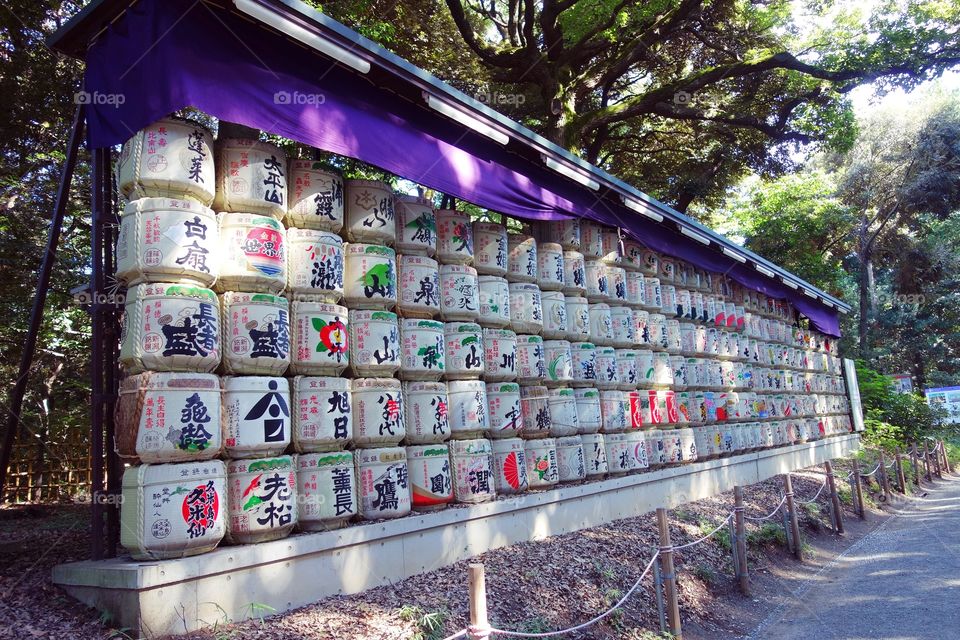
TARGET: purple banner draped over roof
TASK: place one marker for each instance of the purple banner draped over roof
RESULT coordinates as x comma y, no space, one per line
164,55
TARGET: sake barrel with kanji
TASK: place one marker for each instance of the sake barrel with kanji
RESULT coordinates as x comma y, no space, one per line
256,416
463,350
316,197
378,415
589,415
169,417
559,363
617,282
554,305
173,510
459,293
262,499
526,308
490,248
167,240
170,327
422,349
521,258
606,363
418,287
431,488
636,442
454,237
467,409
565,232
370,212
251,177
550,276
425,404
509,466
322,413
623,326
531,363
416,226
574,274
314,265
636,291
252,252
591,241
374,343
494,301
384,482
256,338
632,259
597,282
563,412
571,466
541,459
503,404
327,490
500,355
171,158
584,364
601,324
595,454
472,466
535,410
614,411
370,277
578,318
320,338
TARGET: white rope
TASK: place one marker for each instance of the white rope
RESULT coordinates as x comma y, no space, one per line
521,634
458,634
867,475
814,498
771,514
709,535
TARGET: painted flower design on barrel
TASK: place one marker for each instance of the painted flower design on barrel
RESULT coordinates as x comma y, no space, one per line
333,335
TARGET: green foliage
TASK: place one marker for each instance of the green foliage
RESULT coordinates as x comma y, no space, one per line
429,625
705,573
721,537
768,533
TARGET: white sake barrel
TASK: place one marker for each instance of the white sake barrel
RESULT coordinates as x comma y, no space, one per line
672,449
535,409
650,263
601,324
467,409
419,287
617,284
578,318
613,409
662,369
597,281
531,361
636,290
509,466
327,490
626,369
472,463
521,258
173,510
422,349
378,413
322,414
383,482
490,248
684,403
703,442
459,293
688,338
370,277
251,177
595,454
526,308
431,485
565,232
464,350
316,197
641,329
610,245
320,338
550,275
623,327
416,226
591,240
454,237
684,304
672,334
425,404
169,417
554,305
494,301
607,374
668,269
374,343
168,240
697,306
654,294
252,253
503,403
632,259
589,415
256,416
640,404
261,499
620,458
256,337
574,274
645,369
370,212
637,443
657,328
500,355
668,300
541,459
170,158
571,465
656,455
315,265
584,364
170,327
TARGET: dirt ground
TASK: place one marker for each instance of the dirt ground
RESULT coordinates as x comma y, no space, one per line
534,587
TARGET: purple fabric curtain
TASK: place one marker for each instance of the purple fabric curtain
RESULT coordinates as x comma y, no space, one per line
164,55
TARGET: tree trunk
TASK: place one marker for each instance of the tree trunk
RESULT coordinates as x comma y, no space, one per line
864,282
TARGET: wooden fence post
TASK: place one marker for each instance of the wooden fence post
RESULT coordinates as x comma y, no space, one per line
669,575
936,463
926,461
946,458
794,523
862,508
884,478
901,480
834,497
478,602
915,461
741,541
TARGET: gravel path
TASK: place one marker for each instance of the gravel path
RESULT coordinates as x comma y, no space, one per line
901,581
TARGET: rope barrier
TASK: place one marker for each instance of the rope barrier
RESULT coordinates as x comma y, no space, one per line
704,538
458,634
814,498
521,634
867,475
783,500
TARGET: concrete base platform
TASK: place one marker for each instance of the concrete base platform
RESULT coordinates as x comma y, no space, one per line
176,596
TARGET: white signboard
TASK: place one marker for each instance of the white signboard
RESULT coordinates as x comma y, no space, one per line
902,383
853,392
948,399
